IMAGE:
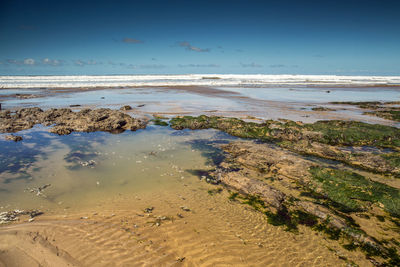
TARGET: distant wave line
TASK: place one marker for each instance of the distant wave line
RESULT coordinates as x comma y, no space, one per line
192,80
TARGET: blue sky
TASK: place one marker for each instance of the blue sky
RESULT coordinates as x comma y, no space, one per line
173,37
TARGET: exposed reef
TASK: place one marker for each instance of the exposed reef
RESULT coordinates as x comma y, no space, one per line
386,110
325,139
285,174
293,190
64,121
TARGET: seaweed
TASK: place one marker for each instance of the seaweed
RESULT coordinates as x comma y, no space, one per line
159,122
393,115
392,158
354,192
233,195
353,133
333,132
213,192
255,201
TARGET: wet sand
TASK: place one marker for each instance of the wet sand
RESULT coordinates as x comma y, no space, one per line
293,103
119,233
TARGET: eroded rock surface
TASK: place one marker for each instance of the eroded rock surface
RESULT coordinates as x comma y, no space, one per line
323,138
66,121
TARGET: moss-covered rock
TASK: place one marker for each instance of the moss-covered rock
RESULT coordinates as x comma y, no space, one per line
354,192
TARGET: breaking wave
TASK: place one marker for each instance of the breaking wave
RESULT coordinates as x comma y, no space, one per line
192,80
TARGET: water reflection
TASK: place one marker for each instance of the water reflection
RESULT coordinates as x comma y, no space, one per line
83,168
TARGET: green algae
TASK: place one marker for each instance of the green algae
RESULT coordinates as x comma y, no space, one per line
353,133
393,159
393,115
381,109
332,132
213,192
354,192
159,122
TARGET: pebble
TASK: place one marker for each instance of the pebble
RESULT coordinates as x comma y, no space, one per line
149,210
185,208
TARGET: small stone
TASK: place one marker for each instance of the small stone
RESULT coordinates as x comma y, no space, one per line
149,210
15,138
185,208
126,107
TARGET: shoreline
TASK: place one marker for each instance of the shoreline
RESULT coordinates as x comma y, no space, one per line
240,102
189,86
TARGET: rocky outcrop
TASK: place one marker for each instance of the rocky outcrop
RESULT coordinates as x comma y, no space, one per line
372,161
244,185
65,121
325,139
290,193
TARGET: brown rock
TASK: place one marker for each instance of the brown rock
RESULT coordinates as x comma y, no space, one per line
244,185
14,138
127,107
66,121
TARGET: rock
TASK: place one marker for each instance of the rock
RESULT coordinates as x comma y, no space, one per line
149,209
15,138
267,193
66,121
185,208
10,216
322,213
126,107
87,163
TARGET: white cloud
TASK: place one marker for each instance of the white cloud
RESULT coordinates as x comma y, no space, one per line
52,62
29,61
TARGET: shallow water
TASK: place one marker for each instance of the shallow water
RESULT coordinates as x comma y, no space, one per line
155,99
319,95
131,162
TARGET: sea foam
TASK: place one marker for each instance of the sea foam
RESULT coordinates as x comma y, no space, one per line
257,80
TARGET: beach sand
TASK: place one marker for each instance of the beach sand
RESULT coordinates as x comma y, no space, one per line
119,233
